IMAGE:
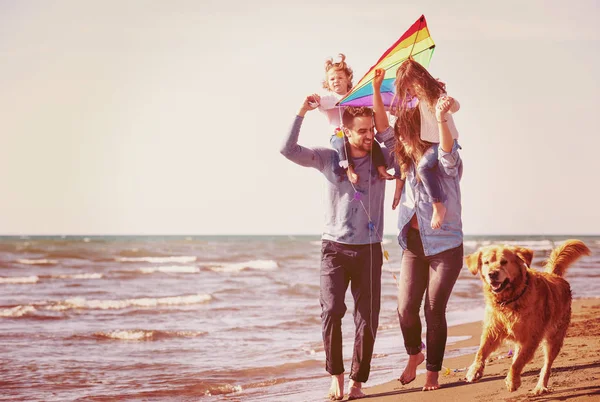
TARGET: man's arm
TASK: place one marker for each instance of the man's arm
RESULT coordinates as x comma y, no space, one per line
303,156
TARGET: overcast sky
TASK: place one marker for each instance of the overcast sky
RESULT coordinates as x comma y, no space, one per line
166,117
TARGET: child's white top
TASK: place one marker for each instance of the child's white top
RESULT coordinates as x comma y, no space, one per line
330,110
429,124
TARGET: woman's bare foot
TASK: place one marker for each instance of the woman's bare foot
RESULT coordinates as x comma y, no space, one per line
336,390
383,174
410,371
431,381
355,390
352,176
439,212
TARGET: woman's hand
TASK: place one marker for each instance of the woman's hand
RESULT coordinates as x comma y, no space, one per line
378,79
444,104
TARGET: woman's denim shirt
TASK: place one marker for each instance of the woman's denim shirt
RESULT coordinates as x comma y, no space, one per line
415,200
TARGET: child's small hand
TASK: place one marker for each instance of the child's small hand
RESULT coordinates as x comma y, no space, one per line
314,101
443,106
311,102
378,79
397,193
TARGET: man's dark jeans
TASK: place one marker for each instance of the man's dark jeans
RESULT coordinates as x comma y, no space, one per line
360,266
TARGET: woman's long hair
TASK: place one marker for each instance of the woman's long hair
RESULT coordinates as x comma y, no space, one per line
412,79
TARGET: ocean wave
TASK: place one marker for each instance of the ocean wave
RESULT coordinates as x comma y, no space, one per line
185,269
20,279
261,265
536,245
144,335
79,276
17,311
296,323
300,289
82,303
158,260
470,243
223,390
42,261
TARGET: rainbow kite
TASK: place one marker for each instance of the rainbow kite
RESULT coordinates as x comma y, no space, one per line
415,42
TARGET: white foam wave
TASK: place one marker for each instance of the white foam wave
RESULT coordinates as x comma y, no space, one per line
159,260
142,335
261,265
20,279
539,245
128,335
185,269
17,311
42,261
82,303
470,243
531,244
79,276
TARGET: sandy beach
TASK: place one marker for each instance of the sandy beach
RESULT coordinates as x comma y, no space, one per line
575,373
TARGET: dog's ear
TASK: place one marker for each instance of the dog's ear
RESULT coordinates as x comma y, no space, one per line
474,262
524,254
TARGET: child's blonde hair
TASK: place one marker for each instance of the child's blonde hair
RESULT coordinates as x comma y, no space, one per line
340,66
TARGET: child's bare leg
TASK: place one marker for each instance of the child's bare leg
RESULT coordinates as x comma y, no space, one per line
352,176
397,193
439,212
383,174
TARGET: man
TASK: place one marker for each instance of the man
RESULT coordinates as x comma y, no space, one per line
351,249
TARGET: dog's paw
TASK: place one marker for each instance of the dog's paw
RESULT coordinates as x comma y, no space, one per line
475,372
512,383
539,390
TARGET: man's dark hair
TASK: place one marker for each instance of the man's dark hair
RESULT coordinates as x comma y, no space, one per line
351,112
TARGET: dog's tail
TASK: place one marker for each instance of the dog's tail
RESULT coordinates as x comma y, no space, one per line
564,255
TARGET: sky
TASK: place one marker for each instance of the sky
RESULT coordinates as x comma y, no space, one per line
156,117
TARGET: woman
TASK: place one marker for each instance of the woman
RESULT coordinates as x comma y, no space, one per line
432,257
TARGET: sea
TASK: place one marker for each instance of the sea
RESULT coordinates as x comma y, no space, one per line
199,318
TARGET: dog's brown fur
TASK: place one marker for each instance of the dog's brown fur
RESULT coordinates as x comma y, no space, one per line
524,306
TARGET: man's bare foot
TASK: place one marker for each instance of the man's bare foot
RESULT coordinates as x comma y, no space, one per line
336,390
431,381
355,390
410,371
439,212
383,174
352,176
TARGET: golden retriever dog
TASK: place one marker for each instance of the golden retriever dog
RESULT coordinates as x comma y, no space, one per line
524,306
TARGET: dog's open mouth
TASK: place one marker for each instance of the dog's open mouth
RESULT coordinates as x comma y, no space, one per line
498,287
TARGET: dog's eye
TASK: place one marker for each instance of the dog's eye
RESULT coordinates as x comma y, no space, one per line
503,262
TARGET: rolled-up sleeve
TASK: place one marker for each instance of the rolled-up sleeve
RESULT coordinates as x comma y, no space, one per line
450,161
